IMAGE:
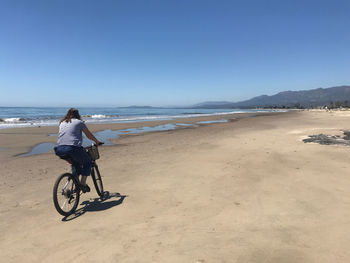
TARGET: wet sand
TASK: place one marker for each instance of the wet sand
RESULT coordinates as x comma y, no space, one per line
249,190
19,141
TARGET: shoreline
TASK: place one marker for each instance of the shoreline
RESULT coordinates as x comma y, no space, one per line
249,190
13,144
27,120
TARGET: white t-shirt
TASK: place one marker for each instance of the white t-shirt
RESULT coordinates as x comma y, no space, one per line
70,133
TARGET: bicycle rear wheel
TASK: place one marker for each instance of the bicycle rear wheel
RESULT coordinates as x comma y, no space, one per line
66,194
96,178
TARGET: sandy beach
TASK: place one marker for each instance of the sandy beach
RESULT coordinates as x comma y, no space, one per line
248,190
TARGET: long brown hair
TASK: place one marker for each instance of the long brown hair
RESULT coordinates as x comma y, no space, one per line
72,113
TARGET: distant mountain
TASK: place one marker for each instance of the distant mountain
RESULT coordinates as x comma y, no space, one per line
303,98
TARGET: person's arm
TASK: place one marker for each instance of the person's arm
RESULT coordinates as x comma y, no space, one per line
91,136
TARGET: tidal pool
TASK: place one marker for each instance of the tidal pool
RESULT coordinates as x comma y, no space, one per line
104,136
40,148
107,135
213,121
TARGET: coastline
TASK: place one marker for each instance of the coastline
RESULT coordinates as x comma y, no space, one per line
249,190
19,141
19,117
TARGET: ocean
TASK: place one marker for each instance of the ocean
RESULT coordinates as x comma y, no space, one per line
11,117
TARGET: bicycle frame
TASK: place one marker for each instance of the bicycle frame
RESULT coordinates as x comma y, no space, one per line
72,195
76,169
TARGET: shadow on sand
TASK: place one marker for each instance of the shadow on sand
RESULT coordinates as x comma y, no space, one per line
97,204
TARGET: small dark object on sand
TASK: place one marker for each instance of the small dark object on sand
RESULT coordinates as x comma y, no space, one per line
346,135
330,139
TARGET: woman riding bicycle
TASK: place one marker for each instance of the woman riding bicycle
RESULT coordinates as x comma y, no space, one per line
69,143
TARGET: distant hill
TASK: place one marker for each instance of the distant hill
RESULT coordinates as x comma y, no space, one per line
303,98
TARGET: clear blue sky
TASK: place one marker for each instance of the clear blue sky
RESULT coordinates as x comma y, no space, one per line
178,52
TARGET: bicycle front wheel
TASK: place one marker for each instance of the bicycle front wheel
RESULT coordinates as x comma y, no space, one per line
96,178
66,194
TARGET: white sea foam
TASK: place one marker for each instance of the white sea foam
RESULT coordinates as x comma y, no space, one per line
24,123
101,118
98,116
154,117
14,120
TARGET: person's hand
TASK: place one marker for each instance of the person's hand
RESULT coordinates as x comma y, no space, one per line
98,143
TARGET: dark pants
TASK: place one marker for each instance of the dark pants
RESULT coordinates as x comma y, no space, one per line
78,156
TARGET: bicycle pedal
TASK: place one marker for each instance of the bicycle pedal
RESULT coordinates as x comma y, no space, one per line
85,188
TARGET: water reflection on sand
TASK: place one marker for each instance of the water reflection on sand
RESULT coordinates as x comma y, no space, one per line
107,135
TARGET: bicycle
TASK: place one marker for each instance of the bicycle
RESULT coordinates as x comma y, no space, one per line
67,188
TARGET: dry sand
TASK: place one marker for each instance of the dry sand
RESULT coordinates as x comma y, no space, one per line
244,191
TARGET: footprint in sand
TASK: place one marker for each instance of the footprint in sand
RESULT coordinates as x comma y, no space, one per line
29,203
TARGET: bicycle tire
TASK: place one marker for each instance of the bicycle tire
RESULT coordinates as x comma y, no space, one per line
70,195
96,178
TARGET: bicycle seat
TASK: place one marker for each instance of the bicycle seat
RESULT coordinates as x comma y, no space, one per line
66,158
63,156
